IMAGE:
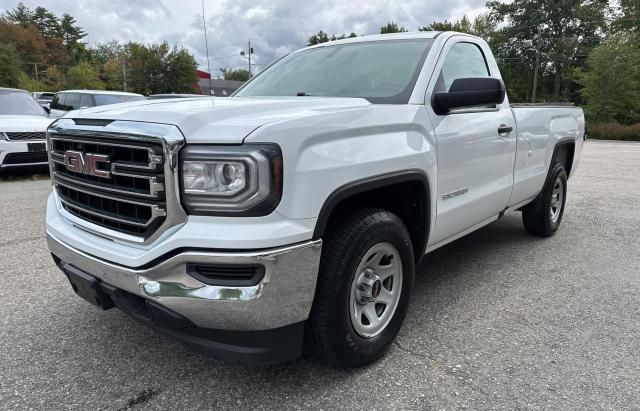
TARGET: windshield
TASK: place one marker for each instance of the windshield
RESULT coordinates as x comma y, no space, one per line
19,103
104,99
380,71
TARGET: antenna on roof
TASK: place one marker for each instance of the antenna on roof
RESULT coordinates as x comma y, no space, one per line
206,45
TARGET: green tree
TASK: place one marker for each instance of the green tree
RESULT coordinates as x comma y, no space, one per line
21,15
342,36
392,27
462,26
101,53
322,37
235,74
83,76
628,17
28,83
9,66
53,79
564,32
319,37
71,34
179,68
113,73
159,68
46,22
26,40
611,81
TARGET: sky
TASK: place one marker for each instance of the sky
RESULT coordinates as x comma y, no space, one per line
275,27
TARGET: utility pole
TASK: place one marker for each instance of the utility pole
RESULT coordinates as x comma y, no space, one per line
535,68
248,53
124,76
35,65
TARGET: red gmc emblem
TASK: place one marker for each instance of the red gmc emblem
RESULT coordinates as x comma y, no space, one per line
78,162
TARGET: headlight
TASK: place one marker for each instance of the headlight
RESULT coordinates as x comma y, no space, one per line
231,180
3,136
215,177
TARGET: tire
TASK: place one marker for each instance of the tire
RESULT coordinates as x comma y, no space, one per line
347,285
543,216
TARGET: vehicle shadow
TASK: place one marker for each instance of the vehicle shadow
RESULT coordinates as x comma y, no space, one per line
444,276
452,260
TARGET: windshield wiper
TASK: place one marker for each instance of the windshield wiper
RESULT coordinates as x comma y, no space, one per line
303,94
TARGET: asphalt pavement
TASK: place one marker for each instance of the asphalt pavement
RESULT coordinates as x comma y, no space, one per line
499,320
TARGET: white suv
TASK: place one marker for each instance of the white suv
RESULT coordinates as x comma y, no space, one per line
23,126
69,100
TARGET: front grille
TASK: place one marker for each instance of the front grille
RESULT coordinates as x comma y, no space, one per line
131,200
25,158
18,135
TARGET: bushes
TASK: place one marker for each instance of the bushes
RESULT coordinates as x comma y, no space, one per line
613,131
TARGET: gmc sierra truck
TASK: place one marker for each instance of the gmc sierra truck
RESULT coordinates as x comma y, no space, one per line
300,206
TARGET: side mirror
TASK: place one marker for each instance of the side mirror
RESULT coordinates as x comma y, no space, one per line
468,92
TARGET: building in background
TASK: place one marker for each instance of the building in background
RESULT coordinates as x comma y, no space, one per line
221,88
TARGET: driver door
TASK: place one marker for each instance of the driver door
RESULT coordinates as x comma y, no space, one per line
475,162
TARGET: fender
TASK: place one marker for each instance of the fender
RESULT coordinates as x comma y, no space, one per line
375,182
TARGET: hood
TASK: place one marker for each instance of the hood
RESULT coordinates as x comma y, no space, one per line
219,119
24,123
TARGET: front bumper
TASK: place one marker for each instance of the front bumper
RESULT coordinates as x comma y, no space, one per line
16,154
283,296
259,324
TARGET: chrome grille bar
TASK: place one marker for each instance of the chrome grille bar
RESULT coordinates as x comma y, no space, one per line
138,199
25,135
153,159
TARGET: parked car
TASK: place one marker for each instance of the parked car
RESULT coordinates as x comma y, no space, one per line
304,202
172,95
68,100
43,97
23,126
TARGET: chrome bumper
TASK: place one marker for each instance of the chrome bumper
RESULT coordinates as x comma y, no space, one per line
283,297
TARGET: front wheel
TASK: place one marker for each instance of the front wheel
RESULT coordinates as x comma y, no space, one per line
543,216
364,286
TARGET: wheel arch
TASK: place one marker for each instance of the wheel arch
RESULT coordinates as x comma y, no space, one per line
393,190
563,152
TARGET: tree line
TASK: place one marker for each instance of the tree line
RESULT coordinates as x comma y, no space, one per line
581,51
42,51
586,52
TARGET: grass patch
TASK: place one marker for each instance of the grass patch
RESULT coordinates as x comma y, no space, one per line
613,131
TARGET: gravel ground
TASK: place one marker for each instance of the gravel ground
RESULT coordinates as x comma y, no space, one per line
499,319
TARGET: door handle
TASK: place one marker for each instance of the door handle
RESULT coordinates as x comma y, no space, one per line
503,130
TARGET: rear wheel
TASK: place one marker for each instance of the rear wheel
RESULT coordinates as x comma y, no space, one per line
543,216
364,286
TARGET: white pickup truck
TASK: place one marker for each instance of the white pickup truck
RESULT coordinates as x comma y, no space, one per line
302,204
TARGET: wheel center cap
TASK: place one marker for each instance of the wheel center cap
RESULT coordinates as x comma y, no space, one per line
368,288
376,288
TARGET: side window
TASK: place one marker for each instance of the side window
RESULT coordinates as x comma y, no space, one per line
55,102
62,103
72,101
463,60
86,100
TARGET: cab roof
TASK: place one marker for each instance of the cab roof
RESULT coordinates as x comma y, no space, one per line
111,93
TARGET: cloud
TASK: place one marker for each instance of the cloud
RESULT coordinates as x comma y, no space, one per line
275,27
